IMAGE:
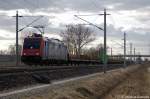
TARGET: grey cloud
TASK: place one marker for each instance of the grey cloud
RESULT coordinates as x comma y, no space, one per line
6,38
79,5
24,4
59,6
135,36
7,23
112,32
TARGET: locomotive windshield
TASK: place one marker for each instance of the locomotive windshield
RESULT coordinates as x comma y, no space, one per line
31,43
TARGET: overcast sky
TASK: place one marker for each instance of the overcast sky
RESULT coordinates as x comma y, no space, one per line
130,16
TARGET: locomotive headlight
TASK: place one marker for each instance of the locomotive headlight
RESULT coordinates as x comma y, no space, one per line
24,53
36,53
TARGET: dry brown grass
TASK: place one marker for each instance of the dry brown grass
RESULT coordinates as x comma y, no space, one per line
137,85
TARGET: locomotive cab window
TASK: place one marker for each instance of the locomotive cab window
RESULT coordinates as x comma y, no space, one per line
59,46
32,43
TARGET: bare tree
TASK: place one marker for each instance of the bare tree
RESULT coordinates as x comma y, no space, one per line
92,53
3,52
95,53
76,37
12,49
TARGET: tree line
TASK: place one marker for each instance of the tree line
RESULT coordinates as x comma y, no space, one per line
76,37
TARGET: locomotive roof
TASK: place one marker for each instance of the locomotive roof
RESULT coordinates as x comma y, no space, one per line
46,38
53,40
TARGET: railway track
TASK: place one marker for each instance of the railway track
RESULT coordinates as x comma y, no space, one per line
24,76
28,67
6,71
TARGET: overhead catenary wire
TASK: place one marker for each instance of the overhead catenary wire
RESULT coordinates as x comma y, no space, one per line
117,43
30,23
89,22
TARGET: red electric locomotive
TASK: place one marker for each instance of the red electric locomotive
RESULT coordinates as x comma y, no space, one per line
37,49
32,48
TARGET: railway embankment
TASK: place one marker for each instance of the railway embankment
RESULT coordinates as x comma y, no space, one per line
136,86
96,86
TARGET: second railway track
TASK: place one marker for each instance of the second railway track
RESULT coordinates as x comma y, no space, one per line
19,77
